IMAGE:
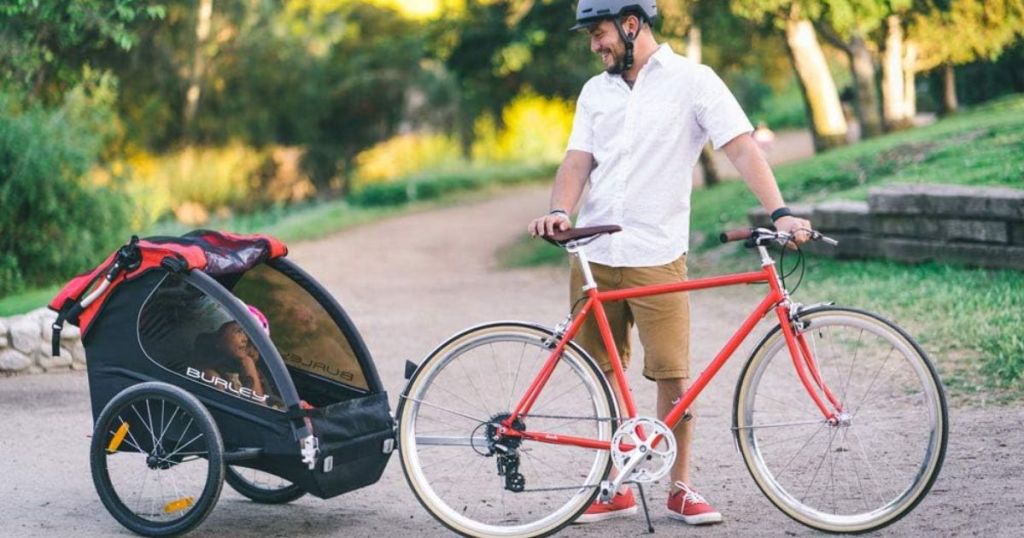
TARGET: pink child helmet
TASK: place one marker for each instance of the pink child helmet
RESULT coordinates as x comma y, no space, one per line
261,319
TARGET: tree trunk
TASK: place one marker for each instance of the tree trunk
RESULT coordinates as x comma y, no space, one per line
909,85
195,77
894,111
693,44
816,84
949,100
707,162
863,68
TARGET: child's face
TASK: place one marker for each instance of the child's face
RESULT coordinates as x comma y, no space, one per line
235,341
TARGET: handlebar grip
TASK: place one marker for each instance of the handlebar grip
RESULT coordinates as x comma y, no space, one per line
735,235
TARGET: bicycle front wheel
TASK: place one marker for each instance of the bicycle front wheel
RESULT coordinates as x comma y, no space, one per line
476,481
873,465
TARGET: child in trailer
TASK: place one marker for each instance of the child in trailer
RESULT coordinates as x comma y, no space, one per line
230,361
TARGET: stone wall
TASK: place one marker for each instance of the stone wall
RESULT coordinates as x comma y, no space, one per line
978,226
25,345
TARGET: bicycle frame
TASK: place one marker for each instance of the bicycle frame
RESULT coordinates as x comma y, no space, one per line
776,299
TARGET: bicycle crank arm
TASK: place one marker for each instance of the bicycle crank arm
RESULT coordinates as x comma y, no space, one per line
609,487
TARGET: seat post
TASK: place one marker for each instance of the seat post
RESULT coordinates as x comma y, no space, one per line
576,249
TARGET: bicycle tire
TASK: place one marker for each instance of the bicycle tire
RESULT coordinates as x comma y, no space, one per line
249,483
900,421
184,460
468,496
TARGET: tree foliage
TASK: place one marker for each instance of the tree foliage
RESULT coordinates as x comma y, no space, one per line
45,44
982,29
52,223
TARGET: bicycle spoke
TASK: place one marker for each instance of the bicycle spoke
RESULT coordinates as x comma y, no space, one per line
476,390
797,453
460,398
442,408
782,424
144,425
814,477
873,380
168,425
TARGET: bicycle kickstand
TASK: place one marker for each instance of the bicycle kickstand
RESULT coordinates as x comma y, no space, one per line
643,502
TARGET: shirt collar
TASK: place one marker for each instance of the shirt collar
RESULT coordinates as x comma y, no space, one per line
661,56
662,53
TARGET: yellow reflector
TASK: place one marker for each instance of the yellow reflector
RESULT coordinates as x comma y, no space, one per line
118,438
180,504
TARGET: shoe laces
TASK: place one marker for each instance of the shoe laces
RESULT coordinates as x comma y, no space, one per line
689,495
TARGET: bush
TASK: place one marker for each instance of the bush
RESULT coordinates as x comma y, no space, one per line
52,224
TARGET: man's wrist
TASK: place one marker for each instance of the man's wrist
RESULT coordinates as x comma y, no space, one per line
781,212
561,212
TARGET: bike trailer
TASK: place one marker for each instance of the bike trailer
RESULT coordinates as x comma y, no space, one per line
271,356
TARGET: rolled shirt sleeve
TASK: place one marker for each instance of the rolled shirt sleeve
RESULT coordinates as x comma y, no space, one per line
718,112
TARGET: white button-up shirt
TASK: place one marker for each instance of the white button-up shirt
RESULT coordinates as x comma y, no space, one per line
646,142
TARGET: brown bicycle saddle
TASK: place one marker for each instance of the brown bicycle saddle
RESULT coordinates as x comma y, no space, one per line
574,234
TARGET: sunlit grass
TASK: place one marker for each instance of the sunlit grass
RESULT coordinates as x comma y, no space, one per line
20,303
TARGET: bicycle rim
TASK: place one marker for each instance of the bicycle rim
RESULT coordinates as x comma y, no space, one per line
473,381
875,465
156,461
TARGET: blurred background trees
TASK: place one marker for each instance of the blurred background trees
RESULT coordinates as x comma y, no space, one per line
115,114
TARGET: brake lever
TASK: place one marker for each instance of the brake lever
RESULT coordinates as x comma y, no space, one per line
818,236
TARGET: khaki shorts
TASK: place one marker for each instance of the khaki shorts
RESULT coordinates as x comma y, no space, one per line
663,320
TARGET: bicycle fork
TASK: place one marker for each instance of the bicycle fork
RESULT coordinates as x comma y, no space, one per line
793,329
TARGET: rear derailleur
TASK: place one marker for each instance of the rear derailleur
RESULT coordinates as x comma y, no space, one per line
507,451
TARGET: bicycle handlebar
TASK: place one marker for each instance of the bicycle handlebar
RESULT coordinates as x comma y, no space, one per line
759,236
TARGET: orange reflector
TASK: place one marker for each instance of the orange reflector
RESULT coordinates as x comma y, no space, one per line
178,505
118,438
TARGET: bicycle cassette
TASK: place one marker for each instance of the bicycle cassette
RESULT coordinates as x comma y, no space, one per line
635,453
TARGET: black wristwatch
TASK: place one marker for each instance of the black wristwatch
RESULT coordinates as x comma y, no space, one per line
781,212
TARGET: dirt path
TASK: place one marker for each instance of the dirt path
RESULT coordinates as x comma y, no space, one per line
409,283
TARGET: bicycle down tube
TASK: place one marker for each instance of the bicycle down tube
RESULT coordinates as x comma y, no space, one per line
803,362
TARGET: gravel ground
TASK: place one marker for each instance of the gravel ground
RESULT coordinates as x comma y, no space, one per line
409,283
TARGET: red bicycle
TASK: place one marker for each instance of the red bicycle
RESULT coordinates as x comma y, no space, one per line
510,429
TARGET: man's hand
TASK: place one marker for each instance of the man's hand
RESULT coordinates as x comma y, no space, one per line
799,228
549,224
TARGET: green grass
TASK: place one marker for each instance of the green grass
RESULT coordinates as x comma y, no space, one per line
967,320
20,303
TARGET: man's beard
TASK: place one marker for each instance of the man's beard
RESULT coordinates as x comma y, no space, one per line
618,67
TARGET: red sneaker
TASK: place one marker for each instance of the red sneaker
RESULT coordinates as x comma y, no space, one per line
688,505
622,505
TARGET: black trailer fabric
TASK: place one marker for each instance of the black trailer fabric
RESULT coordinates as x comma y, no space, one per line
172,324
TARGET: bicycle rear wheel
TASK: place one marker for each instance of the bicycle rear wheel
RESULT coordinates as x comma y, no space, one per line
874,465
477,485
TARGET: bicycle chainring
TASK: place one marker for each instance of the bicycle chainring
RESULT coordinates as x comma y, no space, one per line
633,440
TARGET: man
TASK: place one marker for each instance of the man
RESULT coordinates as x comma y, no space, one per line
637,134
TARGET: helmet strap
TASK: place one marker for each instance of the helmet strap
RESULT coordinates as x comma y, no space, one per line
627,61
